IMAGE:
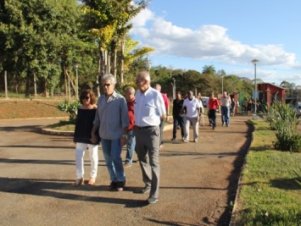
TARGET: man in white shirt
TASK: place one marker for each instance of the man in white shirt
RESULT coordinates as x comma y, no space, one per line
191,107
149,111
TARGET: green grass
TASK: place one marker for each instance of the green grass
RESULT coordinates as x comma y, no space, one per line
270,187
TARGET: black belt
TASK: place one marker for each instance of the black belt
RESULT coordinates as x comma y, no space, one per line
143,127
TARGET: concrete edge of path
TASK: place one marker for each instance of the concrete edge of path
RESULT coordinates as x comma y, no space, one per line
49,131
234,214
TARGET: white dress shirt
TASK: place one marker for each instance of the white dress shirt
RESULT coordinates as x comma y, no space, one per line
149,108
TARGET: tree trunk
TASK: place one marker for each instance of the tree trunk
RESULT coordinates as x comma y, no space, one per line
65,82
108,65
122,62
115,64
35,84
27,85
46,92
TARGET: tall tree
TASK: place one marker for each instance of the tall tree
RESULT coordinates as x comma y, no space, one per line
109,22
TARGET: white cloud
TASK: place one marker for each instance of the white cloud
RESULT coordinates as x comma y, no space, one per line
206,42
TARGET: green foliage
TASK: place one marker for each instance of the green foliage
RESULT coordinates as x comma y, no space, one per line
269,193
70,108
283,119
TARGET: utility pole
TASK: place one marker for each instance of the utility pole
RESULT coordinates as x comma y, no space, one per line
5,84
254,61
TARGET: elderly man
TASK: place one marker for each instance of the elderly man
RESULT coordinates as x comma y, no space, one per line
112,121
149,111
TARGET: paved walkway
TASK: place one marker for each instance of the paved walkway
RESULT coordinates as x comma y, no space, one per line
197,182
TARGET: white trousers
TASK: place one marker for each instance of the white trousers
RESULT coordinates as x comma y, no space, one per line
195,125
80,163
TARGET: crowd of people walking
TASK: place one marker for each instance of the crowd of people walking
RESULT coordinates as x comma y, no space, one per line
137,121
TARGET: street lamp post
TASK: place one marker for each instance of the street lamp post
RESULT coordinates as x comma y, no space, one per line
254,61
222,84
173,88
76,81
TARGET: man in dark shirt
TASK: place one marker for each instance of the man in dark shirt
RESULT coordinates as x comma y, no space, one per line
177,115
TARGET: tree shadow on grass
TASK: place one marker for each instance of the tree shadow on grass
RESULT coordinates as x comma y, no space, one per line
287,184
262,148
62,189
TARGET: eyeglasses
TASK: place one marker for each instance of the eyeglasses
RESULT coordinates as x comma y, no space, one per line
86,98
139,80
106,85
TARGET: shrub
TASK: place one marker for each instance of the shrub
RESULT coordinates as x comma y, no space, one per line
283,119
70,108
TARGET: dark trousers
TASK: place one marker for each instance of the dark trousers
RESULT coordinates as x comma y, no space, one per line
161,131
212,117
177,121
147,149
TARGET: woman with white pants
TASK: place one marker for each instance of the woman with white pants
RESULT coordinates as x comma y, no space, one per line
82,137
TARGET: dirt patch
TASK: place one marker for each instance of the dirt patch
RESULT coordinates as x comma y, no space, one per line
12,109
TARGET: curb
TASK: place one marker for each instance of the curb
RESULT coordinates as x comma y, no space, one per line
49,131
56,132
234,214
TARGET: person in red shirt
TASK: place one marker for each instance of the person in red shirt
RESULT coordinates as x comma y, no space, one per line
131,141
213,105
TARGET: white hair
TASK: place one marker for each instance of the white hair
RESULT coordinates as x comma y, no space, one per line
109,77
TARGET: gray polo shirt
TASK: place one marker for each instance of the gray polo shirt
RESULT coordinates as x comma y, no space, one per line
111,116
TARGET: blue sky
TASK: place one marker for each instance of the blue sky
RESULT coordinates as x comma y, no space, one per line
226,34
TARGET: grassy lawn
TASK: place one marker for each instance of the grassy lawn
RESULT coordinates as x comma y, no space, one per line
271,183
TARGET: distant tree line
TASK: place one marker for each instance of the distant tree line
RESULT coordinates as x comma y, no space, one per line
205,82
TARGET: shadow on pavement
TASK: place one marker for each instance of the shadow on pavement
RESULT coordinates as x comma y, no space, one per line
58,188
49,162
29,128
171,223
35,146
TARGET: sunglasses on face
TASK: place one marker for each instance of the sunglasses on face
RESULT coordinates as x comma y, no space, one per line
86,98
106,85
139,81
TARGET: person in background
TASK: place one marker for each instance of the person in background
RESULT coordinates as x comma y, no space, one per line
177,116
149,112
225,109
131,141
166,104
212,106
112,121
202,110
82,135
191,108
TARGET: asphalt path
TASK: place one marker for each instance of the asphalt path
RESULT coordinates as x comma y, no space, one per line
198,180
